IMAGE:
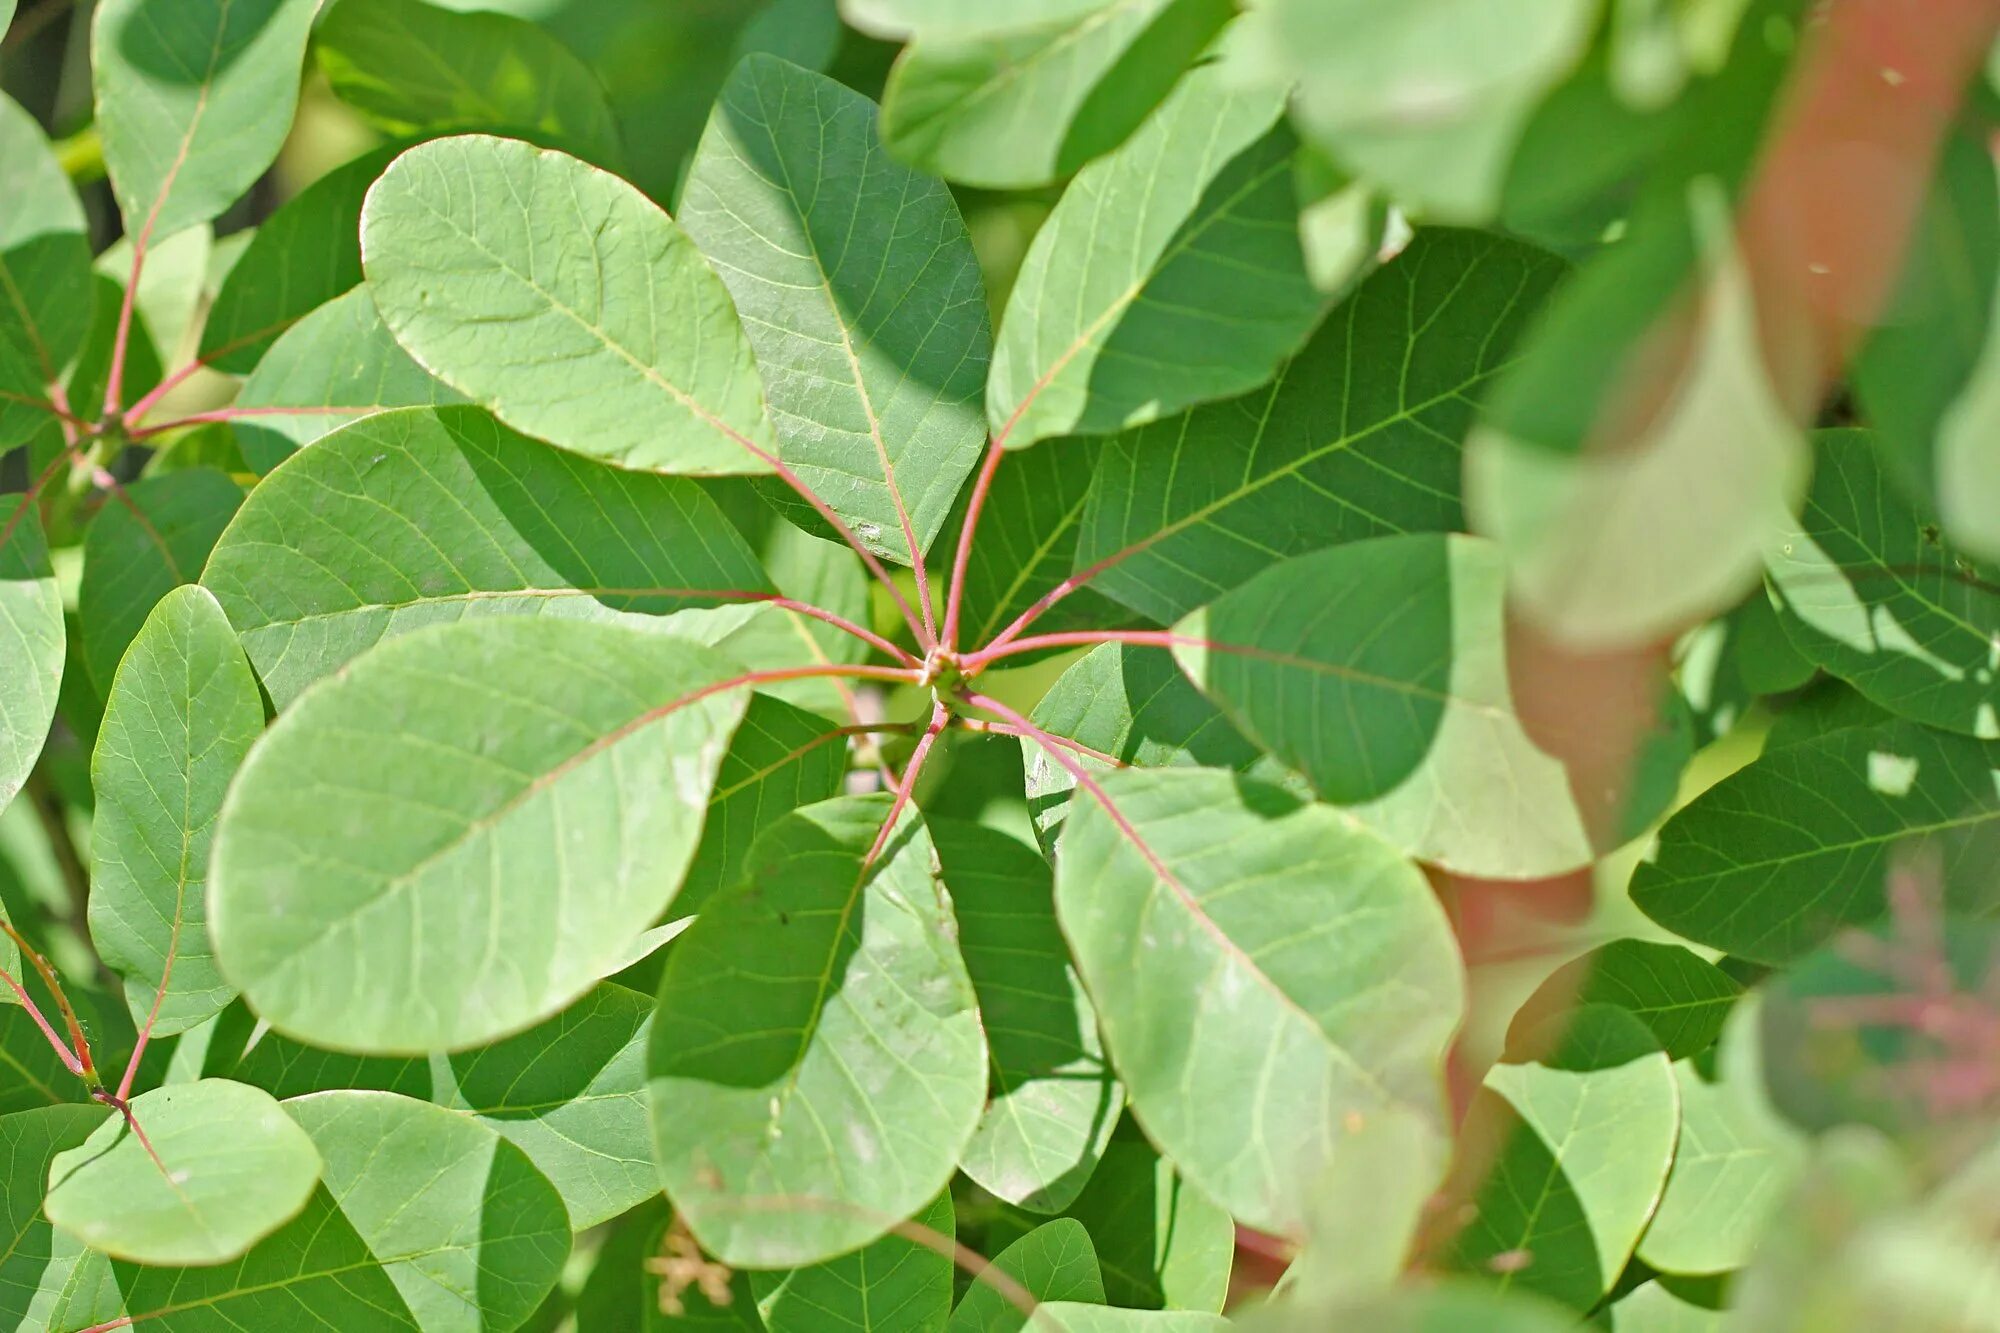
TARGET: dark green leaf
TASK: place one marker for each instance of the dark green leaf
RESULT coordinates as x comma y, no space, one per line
894,1283
1681,998
1161,1242
817,1066
29,1142
31,635
1054,1262
44,270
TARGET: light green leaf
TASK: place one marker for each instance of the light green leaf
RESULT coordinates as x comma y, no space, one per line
1025,101
408,66
1069,1317
1054,1262
6,14
300,258
781,758
562,298
232,1167
571,1094
469,1232
1564,1160
1867,589
894,1283
1734,1166
817,1065
872,339
44,271
181,715
908,18
1428,98
435,847
1343,222
1379,670
140,548
29,1142
173,288
1204,906
194,100
1372,1207
1452,1305
417,517
1054,1100
1161,1242
1358,436
1777,857
1168,274
341,356
1654,1309
1680,997
31,636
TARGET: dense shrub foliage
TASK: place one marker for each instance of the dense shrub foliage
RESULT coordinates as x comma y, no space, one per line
945,667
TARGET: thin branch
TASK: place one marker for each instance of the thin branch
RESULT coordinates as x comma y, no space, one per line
78,1042
980,726
961,560
48,405
1092,638
63,1052
1063,589
114,383
940,715
139,433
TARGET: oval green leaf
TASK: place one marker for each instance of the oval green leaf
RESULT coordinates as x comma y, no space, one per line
31,634
1054,1262
896,1282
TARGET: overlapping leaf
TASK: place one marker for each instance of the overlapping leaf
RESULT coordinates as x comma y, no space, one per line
1358,436
1202,906
871,335
896,1282
1054,1101
1161,1243
418,517
1773,859
817,1064
194,99
1867,589
31,634
1054,1262
44,273
180,717
29,1142
1681,998
562,298
1169,274
458,835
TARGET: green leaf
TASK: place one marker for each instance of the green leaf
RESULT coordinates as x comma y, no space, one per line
301,257
1867,589
181,715
433,848
408,66
29,1142
1428,100
1777,857
1564,1160
895,1282
1734,1166
1343,222
341,356
1372,1207
1450,1305
1054,1262
1135,705
1203,906
469,1232
1054,1100
154,537
571,1094
1025,102
872,340
563,299
1681,998
173,287
781,758
44,267
31,634
1378,669
193,101
1069,1317
1358,436
1161,1242
232,1167
420,516
1157,282
30,1074
817,1066
1654,1309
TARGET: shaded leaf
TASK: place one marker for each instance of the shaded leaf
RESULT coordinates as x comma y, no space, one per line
1024,99
1054,1100
1446,1306
1054,1262
1775,858
152,538
1565,1158
1205,906
817,1067
31,634
1160,1241
45,275
1157,283
29,1142
459,786
1867,589
1680,997
423,516
194,100
893,1283
562,298
859,293
182,713
1358,436
232,1168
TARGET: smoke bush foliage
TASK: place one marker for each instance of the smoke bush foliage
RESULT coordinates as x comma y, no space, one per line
745,657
